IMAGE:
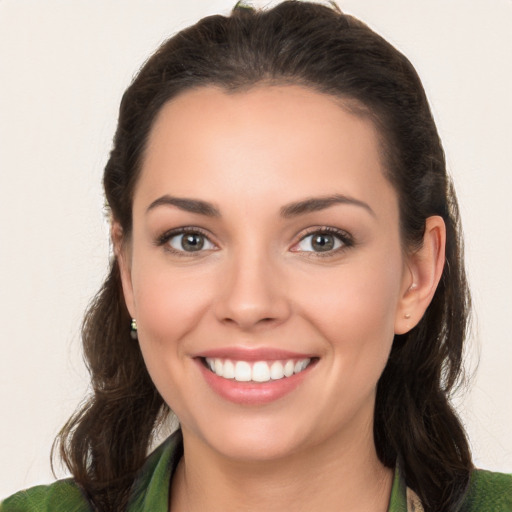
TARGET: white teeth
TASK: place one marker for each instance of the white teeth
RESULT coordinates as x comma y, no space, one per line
276,370
259,371
228,372
288,368
300,365
242,371
219,367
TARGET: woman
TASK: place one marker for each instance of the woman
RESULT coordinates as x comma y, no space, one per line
288,281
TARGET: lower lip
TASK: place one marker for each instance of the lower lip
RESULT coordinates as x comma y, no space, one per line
253,393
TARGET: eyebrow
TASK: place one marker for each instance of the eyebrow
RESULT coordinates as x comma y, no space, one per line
295,209
188,205
315,204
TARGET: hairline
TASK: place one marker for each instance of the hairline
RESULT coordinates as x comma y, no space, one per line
350,104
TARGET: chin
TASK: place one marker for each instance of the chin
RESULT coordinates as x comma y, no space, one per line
256,440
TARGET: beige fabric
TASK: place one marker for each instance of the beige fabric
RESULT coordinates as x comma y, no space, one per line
413,502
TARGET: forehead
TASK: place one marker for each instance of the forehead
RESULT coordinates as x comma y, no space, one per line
284,139
286,109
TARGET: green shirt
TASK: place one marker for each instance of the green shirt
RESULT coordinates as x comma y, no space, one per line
488,492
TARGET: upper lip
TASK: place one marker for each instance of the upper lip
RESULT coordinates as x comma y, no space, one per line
252,354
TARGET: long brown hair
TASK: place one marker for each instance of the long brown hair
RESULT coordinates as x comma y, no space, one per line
106,441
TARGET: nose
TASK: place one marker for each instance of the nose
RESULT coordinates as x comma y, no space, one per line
252,294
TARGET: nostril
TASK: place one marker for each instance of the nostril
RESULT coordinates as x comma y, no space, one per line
261,321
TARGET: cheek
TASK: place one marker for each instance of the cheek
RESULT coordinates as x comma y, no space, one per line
355,307
168,304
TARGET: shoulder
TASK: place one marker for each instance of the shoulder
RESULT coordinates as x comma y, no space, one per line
63,495
489,491
149,492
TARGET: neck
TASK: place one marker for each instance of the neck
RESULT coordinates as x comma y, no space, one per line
333,476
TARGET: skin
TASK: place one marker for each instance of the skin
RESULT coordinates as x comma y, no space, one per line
258,282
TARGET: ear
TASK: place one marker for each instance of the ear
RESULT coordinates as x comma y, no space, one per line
122,253
422,275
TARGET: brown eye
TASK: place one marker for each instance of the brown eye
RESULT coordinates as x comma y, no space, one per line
323,242
190,242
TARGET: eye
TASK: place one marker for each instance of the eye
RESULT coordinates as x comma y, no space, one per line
323,241
186,241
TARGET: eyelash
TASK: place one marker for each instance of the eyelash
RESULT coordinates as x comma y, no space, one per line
344,237
168,235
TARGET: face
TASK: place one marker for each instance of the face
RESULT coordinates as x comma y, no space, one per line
265,269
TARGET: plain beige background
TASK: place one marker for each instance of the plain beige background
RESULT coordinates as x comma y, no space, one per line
63,68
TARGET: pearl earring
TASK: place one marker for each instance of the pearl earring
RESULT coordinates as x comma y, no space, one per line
133,329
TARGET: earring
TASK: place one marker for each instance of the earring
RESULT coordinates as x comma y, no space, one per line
133,329
407,315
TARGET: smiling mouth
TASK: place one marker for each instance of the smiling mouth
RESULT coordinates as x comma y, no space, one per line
256,371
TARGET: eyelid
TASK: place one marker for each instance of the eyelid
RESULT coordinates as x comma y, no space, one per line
164,238
343,236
